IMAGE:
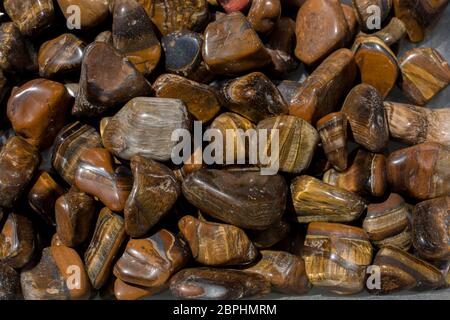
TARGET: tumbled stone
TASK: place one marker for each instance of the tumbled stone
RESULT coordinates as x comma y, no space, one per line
264,14
30,16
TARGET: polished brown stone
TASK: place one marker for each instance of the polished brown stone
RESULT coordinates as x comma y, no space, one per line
30,16
351,19
264,14
126,291
333,133
92,12
9,283
365,12
392,33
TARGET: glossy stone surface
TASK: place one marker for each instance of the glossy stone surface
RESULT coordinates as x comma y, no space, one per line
232,46
218,284
215,244
297,140
321,29
51,278
30,16
322,91
253,96
150,262
134,37
365,112
60,55
336,257
413,124
201,101
234,5
244,199
18,163
264,14
315,200
126,291
421,171
155,190
105,244
333,133
144,126
107,81
37,111
9,283
365,12
424,74
98,176
94,12
392,33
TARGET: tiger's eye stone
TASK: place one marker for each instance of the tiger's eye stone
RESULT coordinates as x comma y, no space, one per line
97,176
9,283
402,271
365,11
60,55
253,96
366,175
43,195
321,93
232,46
264,14
93,12
234,5
421,171
424,74
17,53
17,242
18,163
218,284
387,223
107,81
365,112
286,272
201,101
144,126
134,37
315,200
70,143
333,134
413,124
321,29
431,228
215,244
30,16
37,111
336,257
247,200
155,190
377,64
126,291
297,140
53,277
392,33
270,237
150,262
74,213
105,244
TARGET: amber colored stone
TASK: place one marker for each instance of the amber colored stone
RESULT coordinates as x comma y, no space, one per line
264,14
218,284
37,111
150,262
43,195
97,176
253,96
30,16
107,81
92,12
232,46
70,143
424,74
321,93
234,5
315,200
74,212
366,175
336,257
366,115
134,37
377,64
321,29
108,237
286,272
18,163
200,99
431,228
155,190
268,238
365,12
9,283
245,199
53,277
17,241
126,291
60,55
421,171
392,33
297,142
